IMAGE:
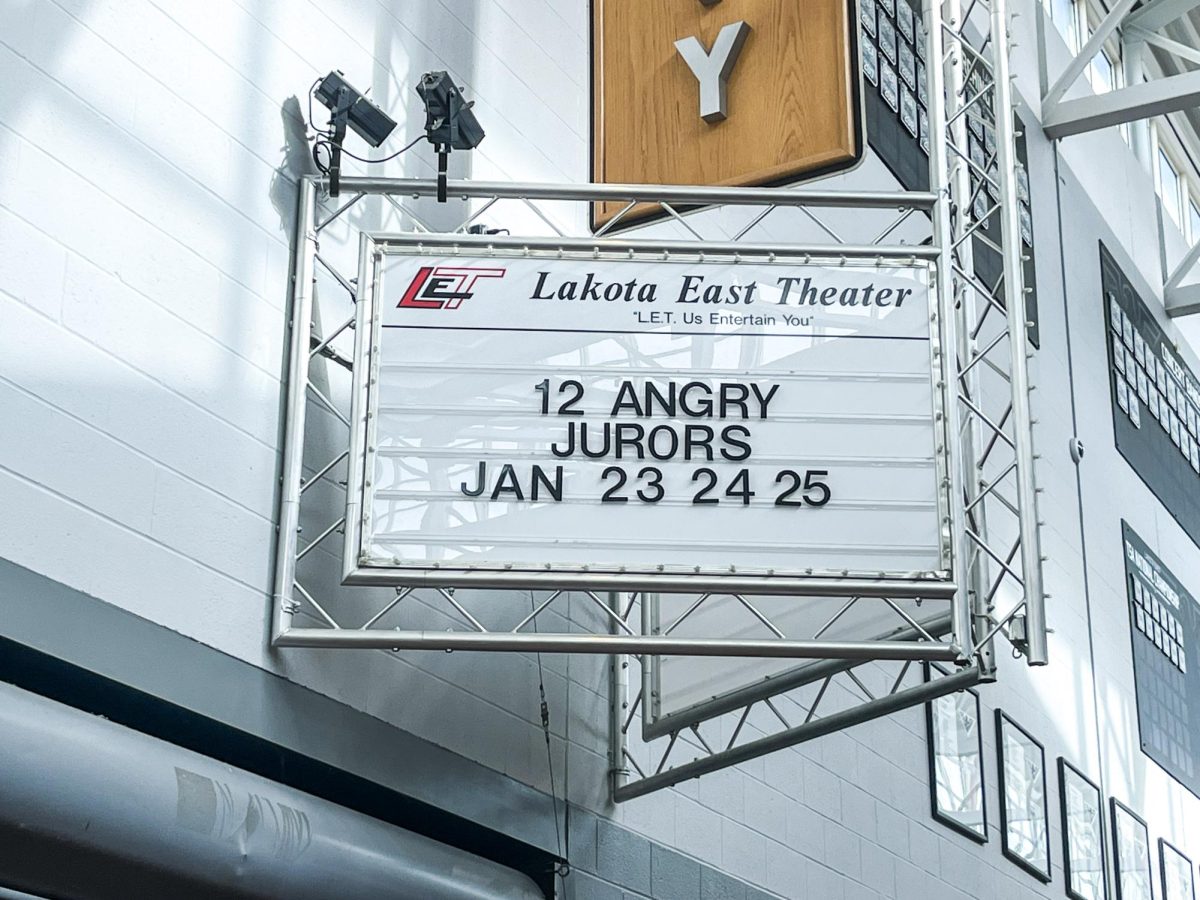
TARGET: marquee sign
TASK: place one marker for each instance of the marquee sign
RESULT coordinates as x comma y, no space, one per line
556,418
722,92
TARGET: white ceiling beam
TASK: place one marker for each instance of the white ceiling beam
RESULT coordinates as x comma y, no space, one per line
1129,104
1183,51
1080,62
1182,301
1157,13
1185,266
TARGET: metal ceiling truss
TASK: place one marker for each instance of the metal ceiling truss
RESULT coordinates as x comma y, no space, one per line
992,514
1136,29
1137,99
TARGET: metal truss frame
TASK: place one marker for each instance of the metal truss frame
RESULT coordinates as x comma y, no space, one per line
1003,560
992,520
808,702
627,633
992,436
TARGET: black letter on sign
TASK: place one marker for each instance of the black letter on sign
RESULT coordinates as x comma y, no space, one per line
554,488
478,487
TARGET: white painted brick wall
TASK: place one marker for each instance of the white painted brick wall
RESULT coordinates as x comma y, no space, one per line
145,210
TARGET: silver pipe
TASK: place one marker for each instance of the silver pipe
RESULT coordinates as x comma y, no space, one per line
1031,551
682,194
90,808
939,177
471,243
920,587
610,643
363,331
651,665
837,721
292,467
774,685
618,739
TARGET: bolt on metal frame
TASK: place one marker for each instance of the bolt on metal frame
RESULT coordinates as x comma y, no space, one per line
992,520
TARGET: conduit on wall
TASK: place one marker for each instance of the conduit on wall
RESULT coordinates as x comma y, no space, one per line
89,808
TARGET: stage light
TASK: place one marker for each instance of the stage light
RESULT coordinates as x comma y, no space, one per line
369,122
348,107
449,121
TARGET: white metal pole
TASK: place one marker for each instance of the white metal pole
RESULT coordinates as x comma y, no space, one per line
283,603
1132,51
524,642
618,740
1014,291
943,239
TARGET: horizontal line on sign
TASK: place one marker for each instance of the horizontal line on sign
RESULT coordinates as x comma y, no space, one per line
888,462
767,501
461,540
629,369
791,334
782,418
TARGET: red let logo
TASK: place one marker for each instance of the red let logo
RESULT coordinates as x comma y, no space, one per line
444,287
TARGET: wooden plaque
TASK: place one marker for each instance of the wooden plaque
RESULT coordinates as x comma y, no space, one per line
793,98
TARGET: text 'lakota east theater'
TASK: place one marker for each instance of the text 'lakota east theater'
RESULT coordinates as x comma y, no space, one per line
792,290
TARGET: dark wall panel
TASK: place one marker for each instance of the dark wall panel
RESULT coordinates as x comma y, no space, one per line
1164,624
1155,400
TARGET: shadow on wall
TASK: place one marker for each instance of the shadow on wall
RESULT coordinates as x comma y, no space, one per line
297,162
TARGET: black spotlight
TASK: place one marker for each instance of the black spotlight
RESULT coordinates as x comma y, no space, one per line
449,122
369,122
348,106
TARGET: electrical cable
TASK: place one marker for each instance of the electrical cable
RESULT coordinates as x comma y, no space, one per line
324,135
563,868
384,159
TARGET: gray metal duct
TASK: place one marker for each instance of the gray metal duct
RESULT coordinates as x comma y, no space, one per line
89,809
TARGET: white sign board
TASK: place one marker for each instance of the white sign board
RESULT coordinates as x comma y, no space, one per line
529,419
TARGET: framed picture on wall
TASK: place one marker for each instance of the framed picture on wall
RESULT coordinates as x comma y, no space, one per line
955,742
1131,853
1178,882
1083,834
1024,817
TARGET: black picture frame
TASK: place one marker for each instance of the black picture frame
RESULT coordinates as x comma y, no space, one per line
1166,847
1071,866
940,813
1004,723
1122,864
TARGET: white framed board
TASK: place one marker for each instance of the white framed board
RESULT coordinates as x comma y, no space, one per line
640,420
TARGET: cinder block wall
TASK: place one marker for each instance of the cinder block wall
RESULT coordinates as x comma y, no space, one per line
148,152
